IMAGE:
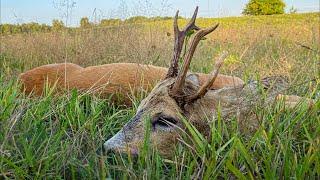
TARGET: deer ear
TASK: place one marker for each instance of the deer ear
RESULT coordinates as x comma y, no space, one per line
194,78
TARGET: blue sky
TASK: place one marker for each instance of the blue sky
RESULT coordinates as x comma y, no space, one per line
43,11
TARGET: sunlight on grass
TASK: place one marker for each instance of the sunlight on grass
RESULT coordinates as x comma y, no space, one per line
59,136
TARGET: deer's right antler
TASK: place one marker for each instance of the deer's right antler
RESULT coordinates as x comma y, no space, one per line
177,87
179,37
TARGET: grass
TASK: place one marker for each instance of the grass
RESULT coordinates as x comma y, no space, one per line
58,137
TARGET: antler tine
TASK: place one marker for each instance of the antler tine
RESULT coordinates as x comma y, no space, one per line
206,87
186,63
179,37
192,23
175,24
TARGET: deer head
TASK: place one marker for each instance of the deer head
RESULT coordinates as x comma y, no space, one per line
180,95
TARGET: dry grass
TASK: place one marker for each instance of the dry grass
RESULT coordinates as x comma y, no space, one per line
258,46
57,137
264,45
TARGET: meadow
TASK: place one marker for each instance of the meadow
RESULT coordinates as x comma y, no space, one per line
60,136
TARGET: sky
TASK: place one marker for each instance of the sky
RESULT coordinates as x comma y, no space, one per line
71,11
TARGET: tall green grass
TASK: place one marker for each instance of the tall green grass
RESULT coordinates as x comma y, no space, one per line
59,137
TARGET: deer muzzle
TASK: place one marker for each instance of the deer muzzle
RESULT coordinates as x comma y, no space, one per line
124,140
116,143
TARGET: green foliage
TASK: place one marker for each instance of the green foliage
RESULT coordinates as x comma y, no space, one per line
159,18
110,22
264,7
136,19
57,137
84,23
24,28
57,25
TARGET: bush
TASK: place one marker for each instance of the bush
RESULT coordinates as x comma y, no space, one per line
264,7
110,22
84,22
57,25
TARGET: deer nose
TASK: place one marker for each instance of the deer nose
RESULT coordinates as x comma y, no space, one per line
107,148
105,151
116,142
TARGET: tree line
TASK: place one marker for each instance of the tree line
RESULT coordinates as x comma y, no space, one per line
58,25
253,7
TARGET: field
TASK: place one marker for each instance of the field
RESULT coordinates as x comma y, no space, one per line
59,136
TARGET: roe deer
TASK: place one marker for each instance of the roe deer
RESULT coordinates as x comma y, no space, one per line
123,78
180,94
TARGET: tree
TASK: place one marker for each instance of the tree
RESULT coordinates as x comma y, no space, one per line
137,19
6,28
84,22
57,25
264,7
110,22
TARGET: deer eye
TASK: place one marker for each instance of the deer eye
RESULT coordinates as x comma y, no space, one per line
163,122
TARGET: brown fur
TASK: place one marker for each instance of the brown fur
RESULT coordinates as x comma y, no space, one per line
232,102
123,78
34,80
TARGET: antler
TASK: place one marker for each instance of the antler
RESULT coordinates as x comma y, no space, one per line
179,37
213,75
177,87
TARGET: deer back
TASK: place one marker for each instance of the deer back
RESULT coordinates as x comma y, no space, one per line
123,78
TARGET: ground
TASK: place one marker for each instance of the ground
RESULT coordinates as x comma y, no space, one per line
59,136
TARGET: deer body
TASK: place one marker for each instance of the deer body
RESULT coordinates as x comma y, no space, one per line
34,80
123,78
